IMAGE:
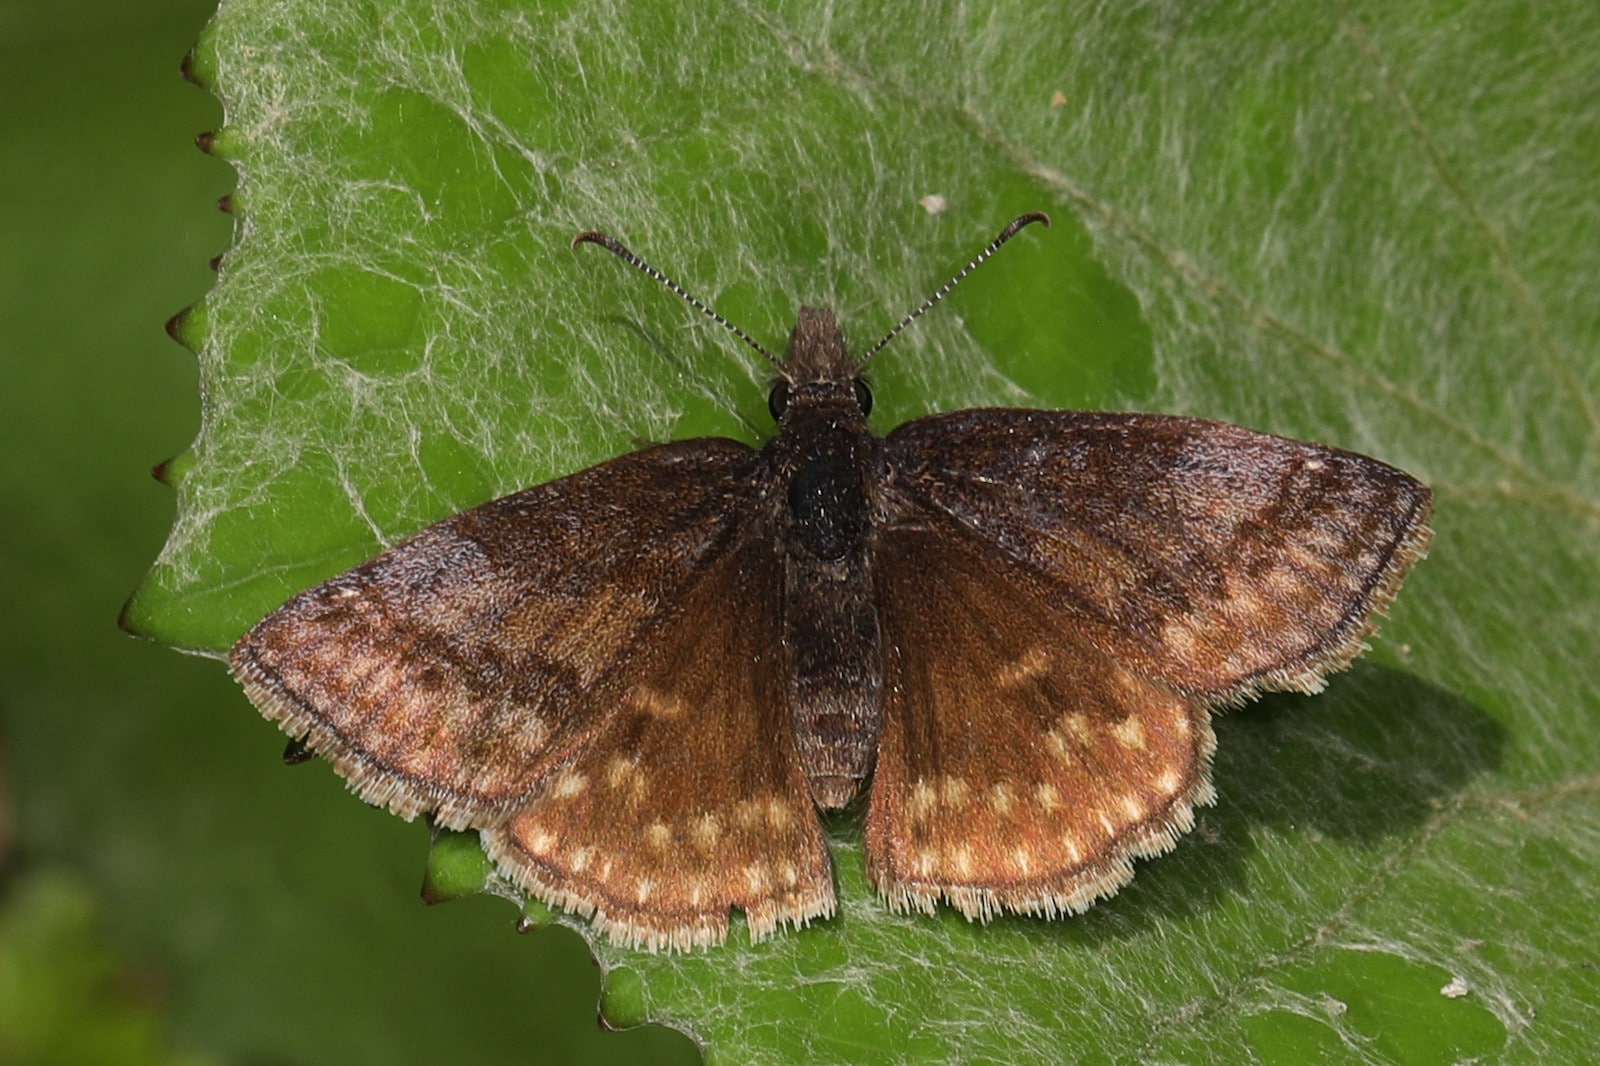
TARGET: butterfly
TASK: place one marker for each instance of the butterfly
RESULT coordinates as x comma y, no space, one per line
1007,629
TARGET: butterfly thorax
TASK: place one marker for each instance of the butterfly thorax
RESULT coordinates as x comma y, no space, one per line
824,461
823,456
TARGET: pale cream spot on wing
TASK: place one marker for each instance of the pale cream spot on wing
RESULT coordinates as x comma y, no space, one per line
1023,860
704,832
660,835
921,801
696,894
791,875
961,859
656,704
1323,541
761,810
643,889
1243,603
580,859
954,790
1000,799
1180,720
1106,823
1168,782
1048,796
624,775
757,877
1068,737
1074,852
1311,564
619,770
569,784
539,842
1131,685
1133,807
1180,637
924,865
1313,465
1029,665
1130,733
1282,583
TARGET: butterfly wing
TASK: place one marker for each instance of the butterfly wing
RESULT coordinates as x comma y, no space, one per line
583,670
1020,767
1218,560
1065,597
690,798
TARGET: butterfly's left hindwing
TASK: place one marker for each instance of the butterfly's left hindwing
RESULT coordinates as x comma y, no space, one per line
690,798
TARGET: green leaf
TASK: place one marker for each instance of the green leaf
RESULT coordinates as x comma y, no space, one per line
1369,226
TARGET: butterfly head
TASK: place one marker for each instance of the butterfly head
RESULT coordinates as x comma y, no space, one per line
817,373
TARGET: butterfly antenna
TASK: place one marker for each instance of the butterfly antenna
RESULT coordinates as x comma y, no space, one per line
611,244
944,290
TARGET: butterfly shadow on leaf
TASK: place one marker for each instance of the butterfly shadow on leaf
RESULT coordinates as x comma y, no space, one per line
1365,763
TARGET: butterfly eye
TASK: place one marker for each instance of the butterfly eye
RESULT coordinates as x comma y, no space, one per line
778,400
863,396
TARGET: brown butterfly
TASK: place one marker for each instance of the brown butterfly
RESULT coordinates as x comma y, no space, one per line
641,682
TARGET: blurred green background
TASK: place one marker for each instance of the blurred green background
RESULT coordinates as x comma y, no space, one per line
147,831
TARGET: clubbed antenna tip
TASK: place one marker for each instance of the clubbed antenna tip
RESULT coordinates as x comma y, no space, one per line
944,290
616,247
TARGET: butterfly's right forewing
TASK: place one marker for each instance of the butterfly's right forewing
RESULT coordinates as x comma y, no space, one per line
1221,561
